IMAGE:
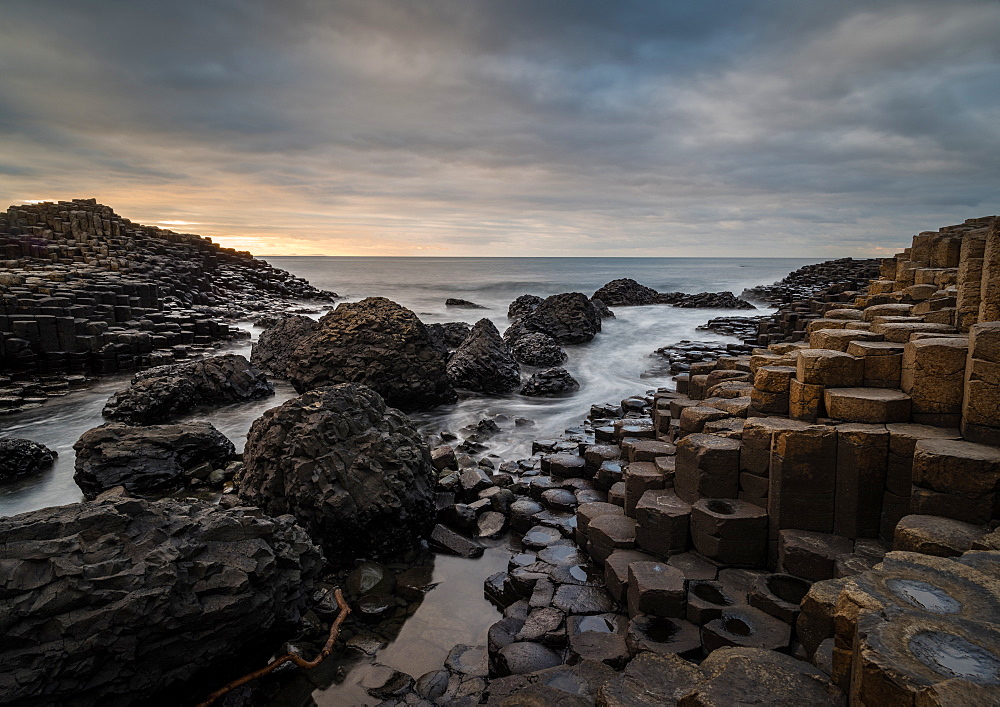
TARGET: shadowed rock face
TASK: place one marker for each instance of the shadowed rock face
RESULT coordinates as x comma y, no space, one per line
125,601
380,344
448,336
483,363
274,348
20,458
146,460
569,318
354,472
159,394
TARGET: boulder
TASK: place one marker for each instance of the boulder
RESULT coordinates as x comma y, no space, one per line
537,349
706,300
380,344
625,293
146,460
161,393
602,308
20,458
354,472
523,306
448,336
126,601
549,383
275,345
462,304
483,363
569,318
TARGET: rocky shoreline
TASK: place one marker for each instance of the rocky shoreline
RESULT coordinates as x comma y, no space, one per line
85,292
808,516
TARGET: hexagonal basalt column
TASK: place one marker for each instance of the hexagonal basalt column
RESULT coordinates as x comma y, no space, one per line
729,531
955,479
707,466
933,375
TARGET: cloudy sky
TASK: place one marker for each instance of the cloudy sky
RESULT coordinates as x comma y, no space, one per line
510,127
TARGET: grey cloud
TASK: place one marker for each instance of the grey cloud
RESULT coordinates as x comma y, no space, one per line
544,127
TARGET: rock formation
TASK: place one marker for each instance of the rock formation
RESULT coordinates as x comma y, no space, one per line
124,601
569,318
537,349
449,335
85,290
483,363
21,458
625,293
550,383
462,304
523,306
354,472
380,344
273,350
162,393
151,460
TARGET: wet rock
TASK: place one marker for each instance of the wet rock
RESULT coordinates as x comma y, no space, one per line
602,309
649,680
757,676
522,657
380,344
468,660
491,524
626,293
709,300
448,541
523,306
354,472
448,336
549,383
384,682
370,578
162,393
443,457
536,349
483,363
745,627
663,635
273,350
569,318
462,304
149,460
21,458
607,648
205,591
576,599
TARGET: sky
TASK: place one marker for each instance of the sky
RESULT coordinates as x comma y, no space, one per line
510,127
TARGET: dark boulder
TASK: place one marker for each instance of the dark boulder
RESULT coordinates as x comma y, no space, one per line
523,306
569,318
704,300
625,293
602,308
462,304
380,344
536,349
354,472
148,460
448,336
550,383
20,458
125,601
162,393
275,345
483,363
